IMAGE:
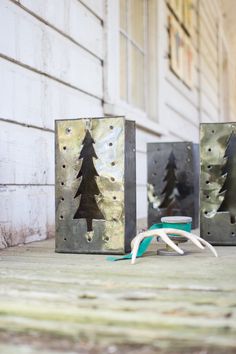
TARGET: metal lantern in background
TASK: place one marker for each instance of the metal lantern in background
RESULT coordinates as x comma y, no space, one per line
218,183
95,185
173,181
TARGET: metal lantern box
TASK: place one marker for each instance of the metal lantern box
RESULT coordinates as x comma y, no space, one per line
173,180
218,183
95,185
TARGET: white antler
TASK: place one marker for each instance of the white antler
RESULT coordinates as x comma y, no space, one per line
162,233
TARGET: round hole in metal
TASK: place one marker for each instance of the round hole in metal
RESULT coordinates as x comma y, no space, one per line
110,144
64,147
112,179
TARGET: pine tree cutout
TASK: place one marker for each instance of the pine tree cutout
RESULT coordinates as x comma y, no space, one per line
229,186
88,208
169,190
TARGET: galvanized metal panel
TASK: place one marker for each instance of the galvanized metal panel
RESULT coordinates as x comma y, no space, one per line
95,166
173,179
218,183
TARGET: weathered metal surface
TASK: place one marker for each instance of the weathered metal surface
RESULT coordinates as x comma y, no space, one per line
218,183
173,180
95,185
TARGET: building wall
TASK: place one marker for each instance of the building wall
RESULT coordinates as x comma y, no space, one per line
51,54
53,64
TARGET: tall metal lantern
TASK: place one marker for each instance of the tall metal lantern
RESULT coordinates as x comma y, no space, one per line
218,183
95,185
173,180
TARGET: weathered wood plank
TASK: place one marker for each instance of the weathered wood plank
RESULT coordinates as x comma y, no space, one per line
26,155
27,214
36,100
171,303
73,19
38,46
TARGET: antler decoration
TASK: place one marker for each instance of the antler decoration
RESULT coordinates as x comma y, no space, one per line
163,234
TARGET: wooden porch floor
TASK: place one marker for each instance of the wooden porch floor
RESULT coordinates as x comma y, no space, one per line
52,303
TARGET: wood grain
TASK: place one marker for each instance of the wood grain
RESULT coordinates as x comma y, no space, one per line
176,304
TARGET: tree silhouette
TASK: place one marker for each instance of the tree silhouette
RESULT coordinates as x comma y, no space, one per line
169,190
88,208
229,186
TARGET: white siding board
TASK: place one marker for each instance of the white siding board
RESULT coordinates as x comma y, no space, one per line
26,155
206,71
27,214
142,138
43,49
208,27
141,202
210,15
190,95
211,110
97,7
210,90
34,99
177,101
177,125
73,19
141,169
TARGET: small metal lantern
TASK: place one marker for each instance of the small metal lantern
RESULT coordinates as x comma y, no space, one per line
95,185
173,181
218,183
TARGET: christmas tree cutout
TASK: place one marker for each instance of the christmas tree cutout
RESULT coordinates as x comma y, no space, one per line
229,186
88,208
169,190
